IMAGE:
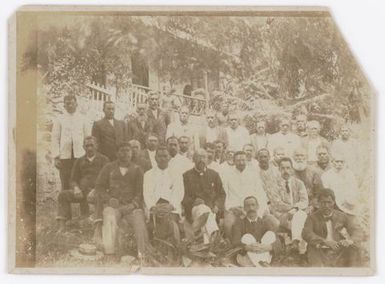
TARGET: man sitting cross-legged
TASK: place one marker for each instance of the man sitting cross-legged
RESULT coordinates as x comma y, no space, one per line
256,235
119,196
331,235
82,181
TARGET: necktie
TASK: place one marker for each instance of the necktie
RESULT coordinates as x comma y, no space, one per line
287,186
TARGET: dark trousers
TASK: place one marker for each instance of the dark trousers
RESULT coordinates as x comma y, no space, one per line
343,257
65,172
65,199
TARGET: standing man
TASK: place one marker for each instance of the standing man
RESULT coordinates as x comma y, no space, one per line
119,196
291,202
323,159
178,163
185,147
109,131
220,151
68,133
82,181
284,138
148,154
331,235
159,119
183,127
211,163
250,157
141,126
313,140
212,132
238,136
260,138
300,123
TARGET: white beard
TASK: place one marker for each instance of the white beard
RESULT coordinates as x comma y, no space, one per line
299,166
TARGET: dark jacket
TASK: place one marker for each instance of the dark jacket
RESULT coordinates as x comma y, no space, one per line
127,189
206,186
136,131
159,123
108,136
315,230
85,172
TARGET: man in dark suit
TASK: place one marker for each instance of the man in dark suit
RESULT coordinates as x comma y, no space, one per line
140,127
159,119
148,154
109,131
203,186
332,237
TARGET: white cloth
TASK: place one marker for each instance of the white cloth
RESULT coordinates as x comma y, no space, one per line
151,154
214,166
123,171
311,146
259,141
254,165
349,149
90,159
163,184
329,229
267,239
211,134
345,187
111,121
178,129
211,224
68,134
240,185
224,170
289,142
237,138
180,164
297,224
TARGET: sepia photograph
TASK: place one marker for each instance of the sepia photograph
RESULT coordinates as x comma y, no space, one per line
188,140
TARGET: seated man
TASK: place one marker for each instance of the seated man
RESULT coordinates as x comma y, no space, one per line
204,196
255,234
162,189
82,181
242,181
290,203
331,235
119,200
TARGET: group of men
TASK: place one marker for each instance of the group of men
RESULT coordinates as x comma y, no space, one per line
179,179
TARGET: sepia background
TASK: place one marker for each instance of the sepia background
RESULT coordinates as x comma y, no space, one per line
267,66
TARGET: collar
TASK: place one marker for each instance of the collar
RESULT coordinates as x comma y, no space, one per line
91,159
251,221
200,173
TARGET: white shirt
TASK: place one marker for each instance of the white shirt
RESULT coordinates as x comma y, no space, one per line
259,141
178,129
289,142
90,158
163,184
223,170
214,166
180,164
329,229
151,154
111,121
123,170
238,138
311,145
344,185
349,149
68,134
211,134
240,185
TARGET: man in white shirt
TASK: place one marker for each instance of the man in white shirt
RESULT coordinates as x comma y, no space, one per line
284,138
313,140
225,167
68,133
161,185
260,138
241,183
211,163
185,147
212,132
183,127
237,135
250,157
349,147
178,163
343,182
